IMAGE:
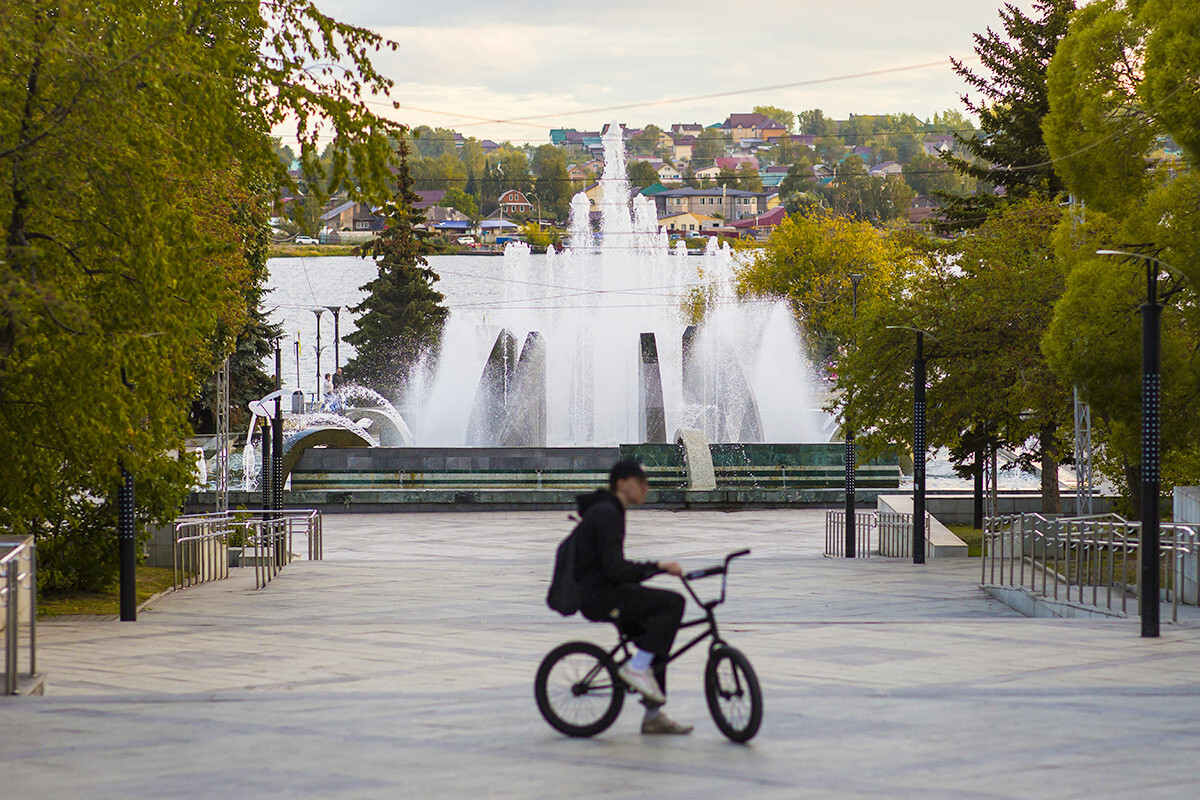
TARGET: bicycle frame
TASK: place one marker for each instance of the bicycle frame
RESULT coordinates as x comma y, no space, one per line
709,617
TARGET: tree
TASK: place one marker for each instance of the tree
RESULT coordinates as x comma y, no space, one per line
814,123
641,174
1013,102
748,179
799,179
785,118
552,182
932,176
855,193
1118,83
709,146
458,199
808,260
401,317
133,136
983,299
645,142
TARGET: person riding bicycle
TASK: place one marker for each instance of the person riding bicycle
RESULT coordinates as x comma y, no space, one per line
612,590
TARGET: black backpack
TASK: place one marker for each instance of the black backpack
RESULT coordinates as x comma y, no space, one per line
566,592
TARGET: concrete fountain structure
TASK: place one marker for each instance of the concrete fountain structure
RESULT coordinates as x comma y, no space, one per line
586,356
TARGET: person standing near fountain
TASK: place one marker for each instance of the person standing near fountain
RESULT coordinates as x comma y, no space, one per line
612,590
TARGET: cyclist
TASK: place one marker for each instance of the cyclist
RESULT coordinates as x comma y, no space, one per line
612,590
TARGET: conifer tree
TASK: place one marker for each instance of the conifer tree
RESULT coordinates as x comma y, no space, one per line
402,316
1012,153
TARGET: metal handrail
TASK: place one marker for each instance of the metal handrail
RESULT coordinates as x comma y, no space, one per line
1087,560
12,580
835,533
201,542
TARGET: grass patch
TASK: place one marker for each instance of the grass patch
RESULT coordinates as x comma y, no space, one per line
972,536
150,581
310,250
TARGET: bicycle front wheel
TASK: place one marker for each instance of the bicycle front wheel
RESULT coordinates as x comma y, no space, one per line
734,697
577,689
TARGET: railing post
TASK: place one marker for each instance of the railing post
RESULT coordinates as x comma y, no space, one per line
11,639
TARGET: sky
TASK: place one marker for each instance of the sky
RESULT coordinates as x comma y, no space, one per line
513,69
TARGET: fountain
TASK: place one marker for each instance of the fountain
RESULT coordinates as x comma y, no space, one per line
599,309
587,356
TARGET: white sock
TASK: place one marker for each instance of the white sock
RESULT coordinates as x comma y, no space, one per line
641,660
652,713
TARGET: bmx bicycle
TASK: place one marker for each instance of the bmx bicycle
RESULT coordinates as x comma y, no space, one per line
579,692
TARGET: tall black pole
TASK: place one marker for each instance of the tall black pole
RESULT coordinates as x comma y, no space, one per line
1151,368
918,535
127,548
318,311
277,434
851,457
264,475
337,337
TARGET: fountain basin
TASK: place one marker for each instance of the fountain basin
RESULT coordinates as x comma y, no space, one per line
532,478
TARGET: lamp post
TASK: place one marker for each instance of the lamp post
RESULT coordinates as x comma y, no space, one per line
317,392
918,532
296,342
851,459
337,337
1148,579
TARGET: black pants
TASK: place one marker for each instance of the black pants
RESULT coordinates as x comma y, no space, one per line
651,618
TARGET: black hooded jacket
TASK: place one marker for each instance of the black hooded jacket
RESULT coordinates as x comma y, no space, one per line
600,563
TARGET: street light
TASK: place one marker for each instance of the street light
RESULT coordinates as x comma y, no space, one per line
317,393
337,337
851,459
1151,428
296,342
918,532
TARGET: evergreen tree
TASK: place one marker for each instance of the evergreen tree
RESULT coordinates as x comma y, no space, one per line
1011,154
402,315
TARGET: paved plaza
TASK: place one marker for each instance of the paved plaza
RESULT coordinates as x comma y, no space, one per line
402,667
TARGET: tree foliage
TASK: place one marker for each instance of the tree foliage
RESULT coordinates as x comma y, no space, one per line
1012,101
784,117
132,137
1121,80
401,316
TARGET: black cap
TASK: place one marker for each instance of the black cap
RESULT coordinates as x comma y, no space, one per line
627,468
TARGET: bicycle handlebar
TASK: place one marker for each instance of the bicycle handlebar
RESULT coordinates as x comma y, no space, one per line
719,570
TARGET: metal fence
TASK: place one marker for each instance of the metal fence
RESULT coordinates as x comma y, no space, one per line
835,534
18,576
1091,561
202,543
896,534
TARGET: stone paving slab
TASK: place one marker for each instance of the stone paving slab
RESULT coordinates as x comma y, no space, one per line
402,666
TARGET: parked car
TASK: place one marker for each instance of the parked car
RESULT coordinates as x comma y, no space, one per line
306,240
466,240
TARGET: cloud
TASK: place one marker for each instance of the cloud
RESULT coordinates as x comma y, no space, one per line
560,62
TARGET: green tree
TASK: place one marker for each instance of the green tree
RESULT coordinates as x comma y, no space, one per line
809,259
709,146
785,118
1013,102
932,176
401,316
814,123
1116,85
645,143
457,198
855,193
552,182
131,135
983,299
641,174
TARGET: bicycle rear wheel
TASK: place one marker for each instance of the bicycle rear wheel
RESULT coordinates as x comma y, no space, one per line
577,689
734,697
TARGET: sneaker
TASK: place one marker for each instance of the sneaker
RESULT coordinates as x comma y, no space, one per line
664,724
643,682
